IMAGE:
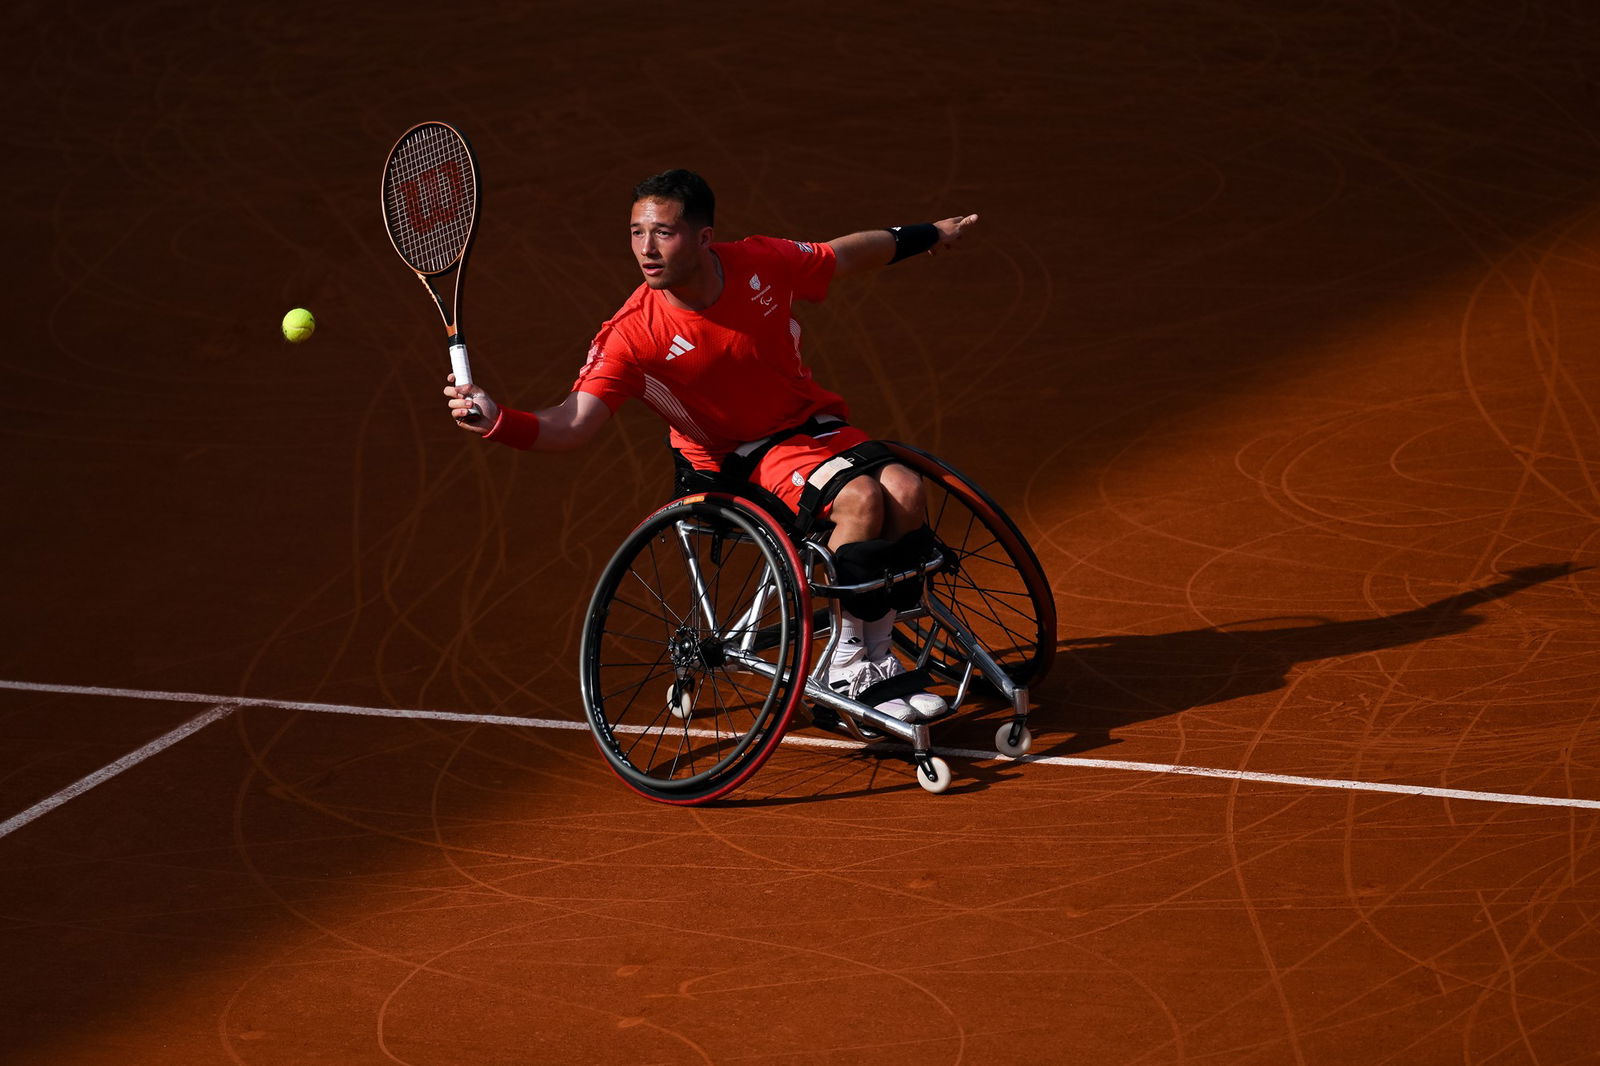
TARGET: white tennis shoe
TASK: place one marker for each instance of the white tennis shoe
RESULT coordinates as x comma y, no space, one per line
851,679
926,704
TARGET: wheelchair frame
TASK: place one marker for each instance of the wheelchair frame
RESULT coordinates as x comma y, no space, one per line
772,636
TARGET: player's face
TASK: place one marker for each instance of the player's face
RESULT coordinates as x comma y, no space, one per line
666,247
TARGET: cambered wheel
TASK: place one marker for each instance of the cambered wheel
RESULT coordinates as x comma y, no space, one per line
695,648
991,581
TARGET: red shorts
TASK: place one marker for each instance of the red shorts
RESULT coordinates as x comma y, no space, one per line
785,467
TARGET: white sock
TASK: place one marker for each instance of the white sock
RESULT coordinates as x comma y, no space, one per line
852,640
878,635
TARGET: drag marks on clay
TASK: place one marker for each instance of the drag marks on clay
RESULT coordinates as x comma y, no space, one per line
1288,573
1291,314
869,754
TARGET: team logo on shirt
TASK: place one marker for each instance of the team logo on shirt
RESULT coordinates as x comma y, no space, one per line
679,346
803,246
763,295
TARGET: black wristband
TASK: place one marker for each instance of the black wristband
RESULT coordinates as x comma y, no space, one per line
913,240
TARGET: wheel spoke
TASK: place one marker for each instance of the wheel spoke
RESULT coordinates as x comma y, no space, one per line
656,625
992,583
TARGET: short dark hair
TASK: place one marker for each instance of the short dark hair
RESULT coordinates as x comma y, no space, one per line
687,188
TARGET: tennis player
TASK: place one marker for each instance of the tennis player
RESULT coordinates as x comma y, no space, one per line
709,342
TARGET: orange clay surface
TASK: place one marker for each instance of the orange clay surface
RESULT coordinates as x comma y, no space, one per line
1277,338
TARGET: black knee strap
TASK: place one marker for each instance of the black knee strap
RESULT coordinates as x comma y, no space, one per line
856,564
869,560
909,553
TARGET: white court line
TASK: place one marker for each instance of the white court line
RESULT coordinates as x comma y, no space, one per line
231,703
106,773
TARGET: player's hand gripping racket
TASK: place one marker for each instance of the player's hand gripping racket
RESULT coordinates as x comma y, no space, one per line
430,206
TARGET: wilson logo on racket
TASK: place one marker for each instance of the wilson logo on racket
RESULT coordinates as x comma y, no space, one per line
434,196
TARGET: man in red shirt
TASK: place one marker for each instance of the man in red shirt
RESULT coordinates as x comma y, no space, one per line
708,342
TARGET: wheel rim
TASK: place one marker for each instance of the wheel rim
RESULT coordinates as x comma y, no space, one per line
992,581
649,638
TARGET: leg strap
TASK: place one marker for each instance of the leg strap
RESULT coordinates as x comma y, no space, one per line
909,683
857,563
907,553
869,560
828,478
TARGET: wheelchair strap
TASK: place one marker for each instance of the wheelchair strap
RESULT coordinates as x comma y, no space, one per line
906,684
828,478
741,463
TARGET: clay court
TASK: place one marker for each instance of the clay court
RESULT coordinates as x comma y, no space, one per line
1277,339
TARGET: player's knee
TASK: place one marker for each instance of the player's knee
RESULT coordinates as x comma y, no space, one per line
859,504
903,486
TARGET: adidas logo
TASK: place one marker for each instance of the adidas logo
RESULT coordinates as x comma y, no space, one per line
679,346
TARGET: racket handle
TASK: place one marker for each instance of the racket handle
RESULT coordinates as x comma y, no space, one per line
462,370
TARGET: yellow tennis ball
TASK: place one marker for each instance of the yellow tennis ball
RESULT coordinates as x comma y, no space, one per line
298,325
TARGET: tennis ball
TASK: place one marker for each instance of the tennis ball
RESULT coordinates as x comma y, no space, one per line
298,325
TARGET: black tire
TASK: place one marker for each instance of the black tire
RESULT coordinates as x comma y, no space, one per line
676,711
992,581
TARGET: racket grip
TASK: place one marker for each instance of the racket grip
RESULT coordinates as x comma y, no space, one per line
458,363
463,371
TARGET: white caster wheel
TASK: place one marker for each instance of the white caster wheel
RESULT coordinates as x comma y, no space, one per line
680,698
933,774
1002,742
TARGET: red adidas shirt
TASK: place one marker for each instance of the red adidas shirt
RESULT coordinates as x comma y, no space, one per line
731,373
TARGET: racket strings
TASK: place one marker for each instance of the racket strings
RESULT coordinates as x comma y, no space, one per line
430,197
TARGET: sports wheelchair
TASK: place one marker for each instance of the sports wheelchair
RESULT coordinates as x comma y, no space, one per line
698,644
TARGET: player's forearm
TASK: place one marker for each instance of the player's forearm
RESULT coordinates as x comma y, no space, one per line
570,424
880,247
865,250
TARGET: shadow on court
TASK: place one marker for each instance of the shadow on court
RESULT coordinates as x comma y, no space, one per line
1102,683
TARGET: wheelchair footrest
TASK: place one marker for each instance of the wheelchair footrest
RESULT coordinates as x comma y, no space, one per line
895,687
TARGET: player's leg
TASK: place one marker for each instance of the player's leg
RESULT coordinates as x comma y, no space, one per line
887,504
904,503
859,517
899,541
857,512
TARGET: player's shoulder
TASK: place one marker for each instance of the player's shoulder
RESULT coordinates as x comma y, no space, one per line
761,245
625,323
637,309
759,251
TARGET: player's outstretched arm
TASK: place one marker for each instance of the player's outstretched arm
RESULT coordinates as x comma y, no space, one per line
570,424
873,248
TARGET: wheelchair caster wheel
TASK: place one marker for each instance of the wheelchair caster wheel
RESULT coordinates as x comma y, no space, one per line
933,774
1013,747
680,698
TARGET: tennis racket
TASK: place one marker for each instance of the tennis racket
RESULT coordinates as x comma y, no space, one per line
430,207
